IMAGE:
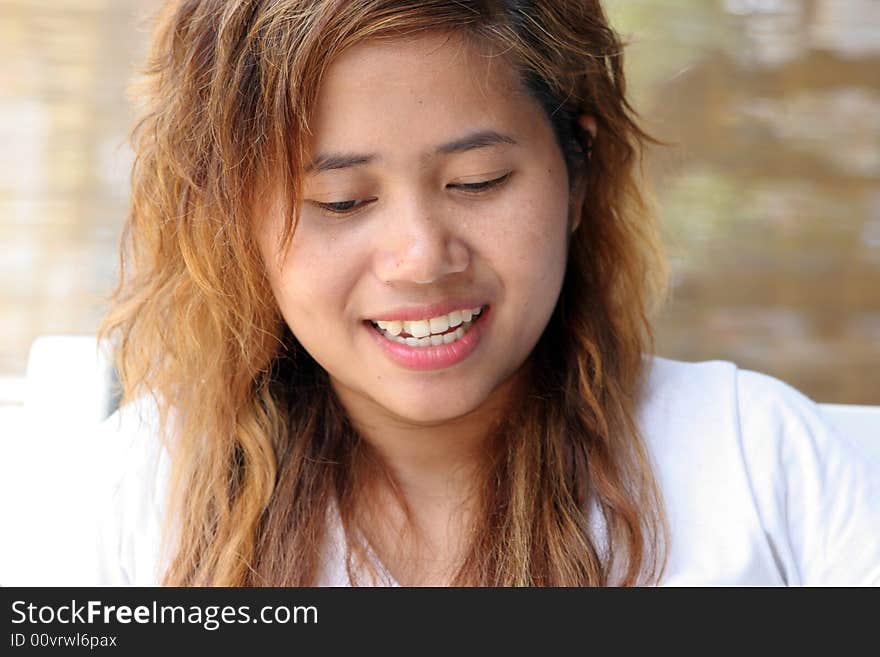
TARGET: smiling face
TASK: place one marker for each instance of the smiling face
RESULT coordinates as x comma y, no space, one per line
436,188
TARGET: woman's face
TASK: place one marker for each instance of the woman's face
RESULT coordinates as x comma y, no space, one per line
436,188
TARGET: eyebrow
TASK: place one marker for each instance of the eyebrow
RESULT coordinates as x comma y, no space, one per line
478,139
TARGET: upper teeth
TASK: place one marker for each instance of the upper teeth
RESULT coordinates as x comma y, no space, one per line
422,328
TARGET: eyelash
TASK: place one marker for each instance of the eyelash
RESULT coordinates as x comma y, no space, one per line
334,208
481,186
343,208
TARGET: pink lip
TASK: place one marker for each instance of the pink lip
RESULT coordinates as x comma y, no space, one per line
410,313
433,358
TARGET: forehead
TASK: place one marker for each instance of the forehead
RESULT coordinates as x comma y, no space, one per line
430,52
418,90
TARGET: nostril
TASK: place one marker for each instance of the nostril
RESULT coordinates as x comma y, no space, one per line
422,260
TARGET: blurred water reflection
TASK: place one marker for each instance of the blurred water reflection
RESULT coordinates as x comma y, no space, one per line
770,195
64,165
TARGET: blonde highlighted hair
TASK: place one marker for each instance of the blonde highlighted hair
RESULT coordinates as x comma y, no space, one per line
260,446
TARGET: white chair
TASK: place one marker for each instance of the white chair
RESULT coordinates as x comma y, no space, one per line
50,476
862,423
69,377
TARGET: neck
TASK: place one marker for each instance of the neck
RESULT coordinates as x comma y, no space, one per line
433,463
437,469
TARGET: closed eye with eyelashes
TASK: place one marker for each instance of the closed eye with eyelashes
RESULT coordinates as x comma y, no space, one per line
341,208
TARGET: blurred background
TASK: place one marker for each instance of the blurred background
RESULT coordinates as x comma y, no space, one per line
769,190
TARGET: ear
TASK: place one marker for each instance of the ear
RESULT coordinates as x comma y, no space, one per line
589,128
587,122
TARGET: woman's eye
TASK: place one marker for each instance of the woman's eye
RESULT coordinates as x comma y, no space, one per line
343,207
481,186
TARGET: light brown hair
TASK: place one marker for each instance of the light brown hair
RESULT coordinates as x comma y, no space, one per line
261,448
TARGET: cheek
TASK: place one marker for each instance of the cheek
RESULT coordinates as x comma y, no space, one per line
312,282
534,242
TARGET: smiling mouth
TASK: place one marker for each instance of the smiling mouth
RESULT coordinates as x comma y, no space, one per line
433,332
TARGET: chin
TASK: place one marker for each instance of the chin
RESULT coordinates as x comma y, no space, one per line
432,409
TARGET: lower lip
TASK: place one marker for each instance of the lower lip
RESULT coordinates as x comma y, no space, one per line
433,358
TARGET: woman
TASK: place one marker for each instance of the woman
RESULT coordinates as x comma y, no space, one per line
389,274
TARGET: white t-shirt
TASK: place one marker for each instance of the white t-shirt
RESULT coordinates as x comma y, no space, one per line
758,489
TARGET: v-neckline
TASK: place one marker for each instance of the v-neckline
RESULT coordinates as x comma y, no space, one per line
340,537
384,573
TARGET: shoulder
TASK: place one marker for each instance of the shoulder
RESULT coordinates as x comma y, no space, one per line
764,415
820,487
755,407
131,438
689,406
670,384
136,466
755,479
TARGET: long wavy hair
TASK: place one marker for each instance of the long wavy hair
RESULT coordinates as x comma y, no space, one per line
260,446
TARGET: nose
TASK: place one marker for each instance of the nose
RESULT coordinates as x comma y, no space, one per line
419,246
